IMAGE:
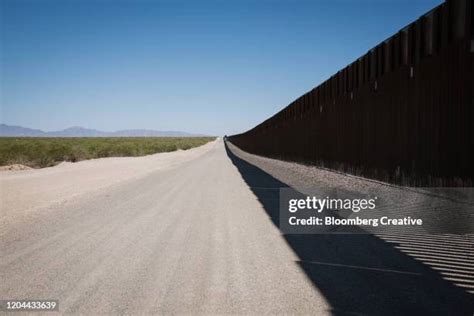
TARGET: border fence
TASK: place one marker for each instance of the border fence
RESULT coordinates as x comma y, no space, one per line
402,113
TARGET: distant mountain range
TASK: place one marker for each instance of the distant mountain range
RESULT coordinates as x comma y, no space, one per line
77,131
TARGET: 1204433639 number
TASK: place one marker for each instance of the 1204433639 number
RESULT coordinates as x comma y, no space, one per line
29,305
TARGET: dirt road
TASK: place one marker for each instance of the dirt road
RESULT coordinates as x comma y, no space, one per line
190,235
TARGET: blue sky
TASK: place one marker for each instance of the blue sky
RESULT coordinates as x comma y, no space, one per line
214,67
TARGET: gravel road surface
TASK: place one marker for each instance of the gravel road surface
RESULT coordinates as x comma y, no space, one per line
198,234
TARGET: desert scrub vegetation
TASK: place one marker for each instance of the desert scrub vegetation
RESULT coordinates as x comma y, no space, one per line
44,152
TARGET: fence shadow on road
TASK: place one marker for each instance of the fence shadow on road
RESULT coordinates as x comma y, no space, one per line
361,273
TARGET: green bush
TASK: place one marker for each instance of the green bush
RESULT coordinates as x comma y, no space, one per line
45,152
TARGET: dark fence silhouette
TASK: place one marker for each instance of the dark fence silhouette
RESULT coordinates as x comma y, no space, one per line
402,113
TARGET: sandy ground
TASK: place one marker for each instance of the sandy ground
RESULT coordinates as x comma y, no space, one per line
187,240
23,192
14,167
